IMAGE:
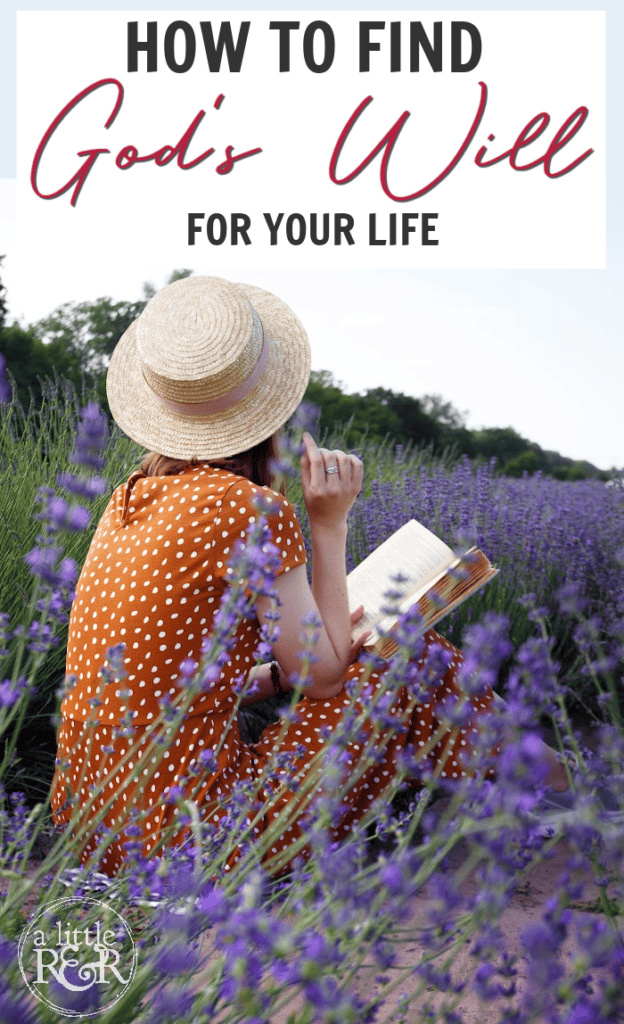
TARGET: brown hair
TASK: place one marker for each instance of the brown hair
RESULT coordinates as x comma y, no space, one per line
256,464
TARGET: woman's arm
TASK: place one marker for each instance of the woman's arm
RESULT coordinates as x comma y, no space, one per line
260,683
328,498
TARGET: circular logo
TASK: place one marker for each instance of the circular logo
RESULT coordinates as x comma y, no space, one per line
77,956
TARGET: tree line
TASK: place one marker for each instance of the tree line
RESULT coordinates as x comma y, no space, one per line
432,421
77,339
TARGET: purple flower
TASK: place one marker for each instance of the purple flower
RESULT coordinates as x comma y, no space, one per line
215,905
542,941
58,515
57,604
446,900
188,668
305,417
16,1009
8,951
10,692
91,437
115,660
523,760
281,467
41,637
585,1013
208,760
485,647
570,599
41,561
487,987
5,387
88,487
67,572
77,1003
175,958
170,1005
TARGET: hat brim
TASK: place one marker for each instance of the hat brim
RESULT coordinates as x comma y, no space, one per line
143,417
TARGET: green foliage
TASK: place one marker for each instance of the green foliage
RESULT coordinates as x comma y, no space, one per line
526,462
75,342
34,449
89,331
574,472
443,412
415,425
501,443
29,362
376,414
433,422
85,334
178,275
325,392
356,415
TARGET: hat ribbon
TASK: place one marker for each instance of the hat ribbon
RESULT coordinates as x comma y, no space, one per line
225,401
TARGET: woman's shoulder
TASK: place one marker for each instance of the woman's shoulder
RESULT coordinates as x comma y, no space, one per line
200,487
205,480
244,495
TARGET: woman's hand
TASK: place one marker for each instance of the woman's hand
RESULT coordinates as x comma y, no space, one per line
360,641
331,481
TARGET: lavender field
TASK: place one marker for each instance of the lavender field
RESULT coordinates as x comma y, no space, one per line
544,535
241,946
543,530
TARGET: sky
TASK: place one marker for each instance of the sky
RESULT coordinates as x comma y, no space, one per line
539,350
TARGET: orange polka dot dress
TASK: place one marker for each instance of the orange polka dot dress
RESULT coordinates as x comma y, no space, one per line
153,579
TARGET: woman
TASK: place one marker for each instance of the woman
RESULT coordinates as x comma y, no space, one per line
204,379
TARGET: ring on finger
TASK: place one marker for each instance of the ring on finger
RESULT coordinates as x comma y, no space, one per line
331,469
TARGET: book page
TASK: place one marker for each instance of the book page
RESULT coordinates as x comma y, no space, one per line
413,551
480,572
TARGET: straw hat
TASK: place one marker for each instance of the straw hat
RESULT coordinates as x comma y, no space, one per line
208,370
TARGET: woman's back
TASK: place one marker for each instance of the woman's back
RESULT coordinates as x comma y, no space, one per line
153,579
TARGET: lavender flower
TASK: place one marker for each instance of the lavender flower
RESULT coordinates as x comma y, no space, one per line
61,516
16,1009
5,387
91,438
171,1004
41,637
174,959
83,487
11,692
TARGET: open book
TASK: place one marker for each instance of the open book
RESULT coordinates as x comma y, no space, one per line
436,579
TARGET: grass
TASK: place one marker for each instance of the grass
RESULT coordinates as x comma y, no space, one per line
34,448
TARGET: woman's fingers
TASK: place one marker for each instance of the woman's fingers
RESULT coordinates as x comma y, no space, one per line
361,640
358,644
313,455
357,473
331,481
357,614
346,470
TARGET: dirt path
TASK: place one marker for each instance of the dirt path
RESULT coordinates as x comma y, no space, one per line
525,908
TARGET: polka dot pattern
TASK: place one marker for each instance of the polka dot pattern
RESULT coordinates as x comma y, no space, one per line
415,726
153,580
